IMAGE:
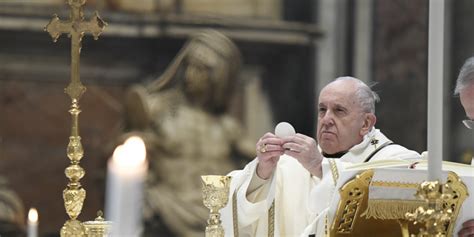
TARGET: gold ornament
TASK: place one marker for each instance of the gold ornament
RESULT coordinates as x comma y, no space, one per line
74,195
215,194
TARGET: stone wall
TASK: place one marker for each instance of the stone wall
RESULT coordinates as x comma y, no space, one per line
400,67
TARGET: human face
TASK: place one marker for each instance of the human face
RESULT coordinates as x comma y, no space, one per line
467,100
341,121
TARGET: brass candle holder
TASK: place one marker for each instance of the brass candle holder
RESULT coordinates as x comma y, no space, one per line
215,194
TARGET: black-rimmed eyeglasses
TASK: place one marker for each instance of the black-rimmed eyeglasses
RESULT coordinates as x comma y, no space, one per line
469,123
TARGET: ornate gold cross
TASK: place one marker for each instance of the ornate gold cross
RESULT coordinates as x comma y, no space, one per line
74,195
75,27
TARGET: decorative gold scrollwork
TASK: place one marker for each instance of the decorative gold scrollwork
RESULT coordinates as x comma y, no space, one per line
353,193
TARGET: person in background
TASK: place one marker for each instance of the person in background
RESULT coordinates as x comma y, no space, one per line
465,89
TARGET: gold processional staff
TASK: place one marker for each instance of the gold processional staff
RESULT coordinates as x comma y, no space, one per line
74,194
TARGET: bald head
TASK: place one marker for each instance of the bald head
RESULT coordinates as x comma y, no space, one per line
366,98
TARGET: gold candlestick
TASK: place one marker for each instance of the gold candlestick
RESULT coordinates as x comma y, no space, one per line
215,194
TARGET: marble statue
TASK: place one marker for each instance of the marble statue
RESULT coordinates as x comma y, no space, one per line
184,120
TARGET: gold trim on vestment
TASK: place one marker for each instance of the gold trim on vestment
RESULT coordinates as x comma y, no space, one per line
235,217
271,220
326,226
235,220
334,171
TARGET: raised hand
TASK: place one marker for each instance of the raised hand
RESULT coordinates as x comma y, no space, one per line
467,229
305,150
269,150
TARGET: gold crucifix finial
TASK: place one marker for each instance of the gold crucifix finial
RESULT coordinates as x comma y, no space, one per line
75,27
74,195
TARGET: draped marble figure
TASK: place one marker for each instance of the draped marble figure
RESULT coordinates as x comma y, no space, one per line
183,117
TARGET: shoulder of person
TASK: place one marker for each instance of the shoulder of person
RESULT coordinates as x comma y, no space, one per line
396,151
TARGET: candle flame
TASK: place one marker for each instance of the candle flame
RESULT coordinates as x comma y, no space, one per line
33,215
131,154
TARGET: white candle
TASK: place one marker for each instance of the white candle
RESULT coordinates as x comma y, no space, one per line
125,176
32,228
435,88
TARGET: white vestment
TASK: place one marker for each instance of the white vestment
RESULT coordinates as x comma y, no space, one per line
300,199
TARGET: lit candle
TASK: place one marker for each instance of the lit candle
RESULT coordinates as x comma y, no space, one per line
435,88
125,176
32,228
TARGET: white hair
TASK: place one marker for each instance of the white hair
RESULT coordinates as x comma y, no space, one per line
366,96
466,76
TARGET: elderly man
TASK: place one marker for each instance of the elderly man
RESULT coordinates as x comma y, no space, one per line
286,188
465,90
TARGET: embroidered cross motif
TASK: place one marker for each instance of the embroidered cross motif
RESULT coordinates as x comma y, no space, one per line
374,142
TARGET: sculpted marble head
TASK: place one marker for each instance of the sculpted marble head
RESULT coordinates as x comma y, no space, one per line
210,69
204,73
206,69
